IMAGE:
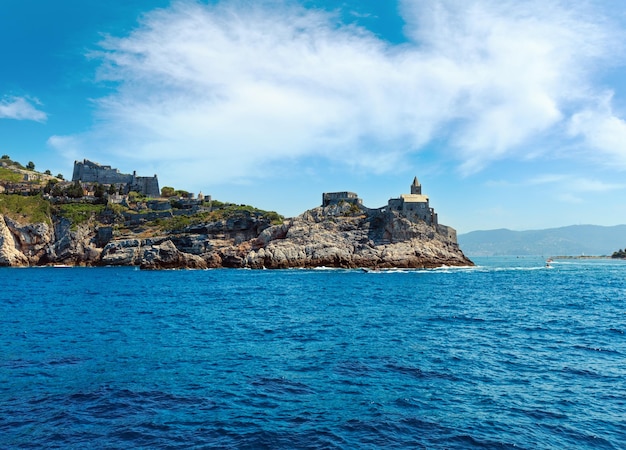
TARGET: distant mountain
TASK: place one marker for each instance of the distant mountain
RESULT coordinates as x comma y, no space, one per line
571,241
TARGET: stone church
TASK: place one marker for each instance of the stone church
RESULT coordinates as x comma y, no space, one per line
414,205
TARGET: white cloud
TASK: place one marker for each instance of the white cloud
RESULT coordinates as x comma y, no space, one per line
20,108
569,198
69,146
603,130
522,64
575,183
550,178
589,185
233,90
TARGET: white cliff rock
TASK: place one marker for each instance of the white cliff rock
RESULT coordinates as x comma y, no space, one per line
9,253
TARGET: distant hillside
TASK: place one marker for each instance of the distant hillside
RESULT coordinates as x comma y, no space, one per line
571,241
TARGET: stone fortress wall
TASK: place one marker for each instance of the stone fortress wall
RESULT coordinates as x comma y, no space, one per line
91,172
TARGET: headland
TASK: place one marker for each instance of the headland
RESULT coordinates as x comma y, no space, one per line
107,218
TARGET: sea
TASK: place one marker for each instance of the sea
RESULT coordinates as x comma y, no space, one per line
507,354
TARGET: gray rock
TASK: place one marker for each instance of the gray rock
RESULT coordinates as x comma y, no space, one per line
10,255
121,253
332,236
166,256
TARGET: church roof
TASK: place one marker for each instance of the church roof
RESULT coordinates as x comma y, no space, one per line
414,198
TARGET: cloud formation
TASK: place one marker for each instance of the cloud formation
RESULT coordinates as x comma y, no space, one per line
603,131
20,108
232,90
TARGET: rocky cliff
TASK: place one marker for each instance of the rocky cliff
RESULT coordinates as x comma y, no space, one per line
333,236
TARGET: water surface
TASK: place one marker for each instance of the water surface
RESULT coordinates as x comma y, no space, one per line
508,354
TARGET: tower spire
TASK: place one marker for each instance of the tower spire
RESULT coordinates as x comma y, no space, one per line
416,187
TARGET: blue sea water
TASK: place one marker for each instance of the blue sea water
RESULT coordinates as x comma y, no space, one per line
508,354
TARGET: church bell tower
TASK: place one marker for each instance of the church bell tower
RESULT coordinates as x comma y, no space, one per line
416,187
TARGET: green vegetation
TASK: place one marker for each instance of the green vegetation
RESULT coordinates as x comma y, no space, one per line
354,209
133,196
10,176
167,191
99,191
619,254
116,208
178,223
32,209
74,191
223,211
78,213
26,204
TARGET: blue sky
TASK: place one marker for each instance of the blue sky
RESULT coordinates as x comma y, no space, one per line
512,114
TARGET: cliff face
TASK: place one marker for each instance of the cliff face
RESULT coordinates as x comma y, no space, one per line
40,244
333,236
328,237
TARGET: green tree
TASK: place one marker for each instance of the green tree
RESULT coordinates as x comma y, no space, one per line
60,176
56,191
6,157
50,185
98,191
30,165
112,189
167,191
75,190
134,196
47,172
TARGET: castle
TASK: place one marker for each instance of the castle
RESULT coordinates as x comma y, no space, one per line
90,172
413,206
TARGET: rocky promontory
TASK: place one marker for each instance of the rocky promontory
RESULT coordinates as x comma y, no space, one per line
105,218
338,235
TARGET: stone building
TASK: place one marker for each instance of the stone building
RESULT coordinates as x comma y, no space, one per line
414,205
333,198
91,172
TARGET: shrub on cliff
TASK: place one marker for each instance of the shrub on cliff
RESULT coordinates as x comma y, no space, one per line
78,213
25,209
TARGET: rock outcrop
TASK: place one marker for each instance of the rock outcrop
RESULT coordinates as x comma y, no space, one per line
40,244
10,247
334,236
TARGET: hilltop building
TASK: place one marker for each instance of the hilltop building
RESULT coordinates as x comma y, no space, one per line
91,172
334,198
414,205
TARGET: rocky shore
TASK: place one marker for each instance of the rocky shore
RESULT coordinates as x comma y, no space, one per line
332,236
